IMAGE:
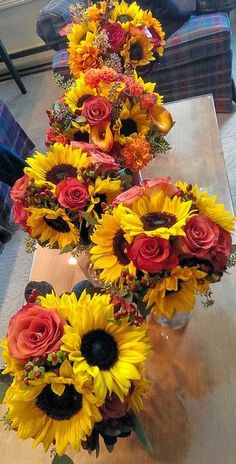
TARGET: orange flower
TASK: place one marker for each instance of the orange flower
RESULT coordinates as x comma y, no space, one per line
148,100
83,58
137,154
161,118
93,77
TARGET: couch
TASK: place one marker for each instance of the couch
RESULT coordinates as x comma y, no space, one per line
197,58
12,135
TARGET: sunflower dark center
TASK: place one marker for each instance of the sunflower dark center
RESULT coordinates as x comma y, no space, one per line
119,244
128,127
57,224
136,52
60,407
60,172
81,137
124,18
82,99
99,349
153,221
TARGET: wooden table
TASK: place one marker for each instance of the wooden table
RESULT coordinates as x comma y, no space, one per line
190,413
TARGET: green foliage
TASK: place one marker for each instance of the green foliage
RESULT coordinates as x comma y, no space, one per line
158,143
62,459
140,432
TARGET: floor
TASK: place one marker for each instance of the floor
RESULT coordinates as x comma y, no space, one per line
29,110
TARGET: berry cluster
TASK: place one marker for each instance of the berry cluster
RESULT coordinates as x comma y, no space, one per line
124,309
40,196
36,368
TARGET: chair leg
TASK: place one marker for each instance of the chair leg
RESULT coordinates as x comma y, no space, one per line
11,68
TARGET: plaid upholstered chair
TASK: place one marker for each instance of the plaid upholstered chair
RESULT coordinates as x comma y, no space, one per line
197,58
13,136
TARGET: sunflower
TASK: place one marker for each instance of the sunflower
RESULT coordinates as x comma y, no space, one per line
53,227
158,35
78,133
76,94
60,162
83,57
127,14
110,353
66,305
206,204
103,190
12,366
108,253
174,293
138,50
79,32
133,121
136,154
156,215
139,389
55,410
96,11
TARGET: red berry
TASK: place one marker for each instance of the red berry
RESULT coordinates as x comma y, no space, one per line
117,315
124,312
37,374
189,187
130,277
54,199
36,360
124,274
54,357
153,285
36,195
28,368
31,299
42,195
132,310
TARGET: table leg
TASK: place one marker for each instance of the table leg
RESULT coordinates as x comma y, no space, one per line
6,58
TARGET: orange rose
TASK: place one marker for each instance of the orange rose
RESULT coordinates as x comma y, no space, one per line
34,331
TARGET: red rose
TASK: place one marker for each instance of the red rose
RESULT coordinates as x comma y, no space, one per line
222,250
201,236
113,408
97,110
34,331
116,36
20,215
152,254
71,193
19,188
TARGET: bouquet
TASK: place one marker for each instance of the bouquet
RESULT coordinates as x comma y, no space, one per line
63,193
114,113
77,373
112,33
165,242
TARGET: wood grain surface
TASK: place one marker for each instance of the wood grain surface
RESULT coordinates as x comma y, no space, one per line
190,411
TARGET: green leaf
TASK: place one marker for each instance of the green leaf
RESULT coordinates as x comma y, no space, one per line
234,248
89,218
62,459
67,249
3,389
80,119
140,432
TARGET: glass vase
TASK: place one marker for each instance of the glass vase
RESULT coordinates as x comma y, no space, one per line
178,321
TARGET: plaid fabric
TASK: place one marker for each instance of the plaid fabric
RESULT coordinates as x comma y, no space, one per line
199,38
51,19
212,75
12,135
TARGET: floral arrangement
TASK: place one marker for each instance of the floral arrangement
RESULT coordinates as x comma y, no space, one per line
112,33
63,193
76,372
118,114
165,242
